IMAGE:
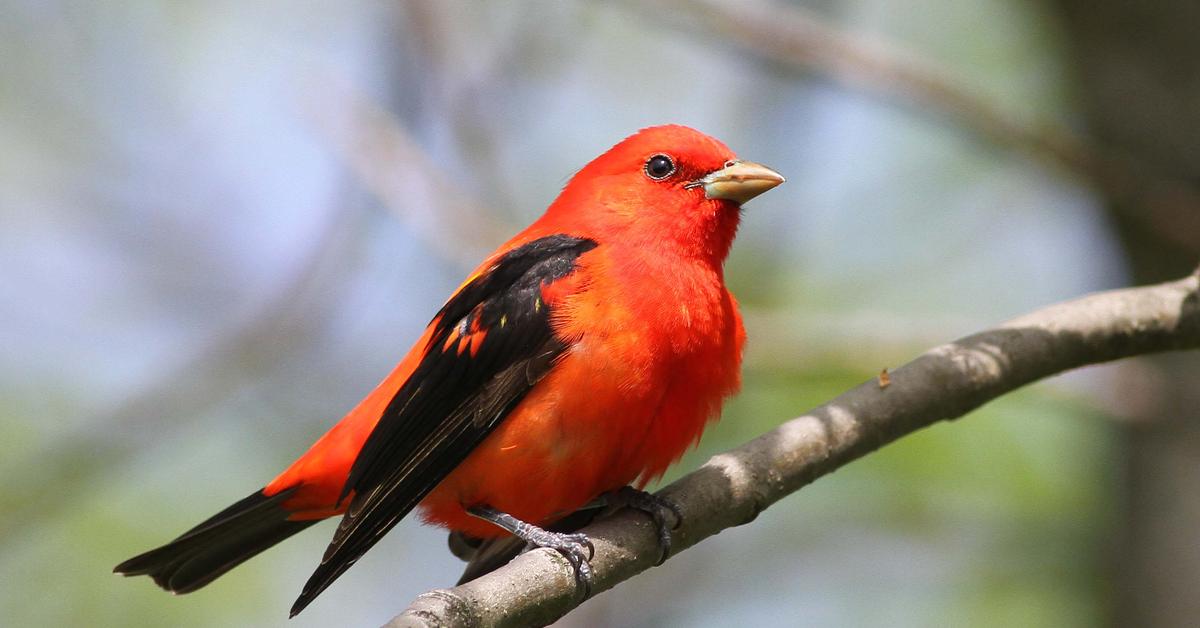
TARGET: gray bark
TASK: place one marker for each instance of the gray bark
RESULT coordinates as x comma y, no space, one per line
732,488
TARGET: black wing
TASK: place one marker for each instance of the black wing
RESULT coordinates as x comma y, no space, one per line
491,343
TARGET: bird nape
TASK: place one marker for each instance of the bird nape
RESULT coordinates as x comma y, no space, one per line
584,355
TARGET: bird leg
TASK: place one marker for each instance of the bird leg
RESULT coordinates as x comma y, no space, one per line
571,545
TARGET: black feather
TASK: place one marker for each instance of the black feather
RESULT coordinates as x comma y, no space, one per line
453,400
218,544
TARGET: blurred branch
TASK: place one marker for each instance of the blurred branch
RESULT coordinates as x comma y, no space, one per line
792,36
297,310
385,158
732,488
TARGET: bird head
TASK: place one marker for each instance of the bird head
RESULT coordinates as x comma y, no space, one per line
669,188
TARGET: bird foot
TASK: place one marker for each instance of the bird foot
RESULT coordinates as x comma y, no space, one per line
656,507
576,547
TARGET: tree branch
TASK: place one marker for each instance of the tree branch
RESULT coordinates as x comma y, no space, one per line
795,37
732,488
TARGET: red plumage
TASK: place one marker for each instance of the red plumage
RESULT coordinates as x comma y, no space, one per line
621,288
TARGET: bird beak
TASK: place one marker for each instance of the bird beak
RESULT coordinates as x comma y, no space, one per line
739,181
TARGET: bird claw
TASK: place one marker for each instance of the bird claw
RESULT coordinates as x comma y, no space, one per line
583,540
576,547
571,545
657,508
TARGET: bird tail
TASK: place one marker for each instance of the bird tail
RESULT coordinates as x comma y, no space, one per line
217,545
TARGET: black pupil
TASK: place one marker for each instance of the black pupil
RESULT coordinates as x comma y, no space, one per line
659,166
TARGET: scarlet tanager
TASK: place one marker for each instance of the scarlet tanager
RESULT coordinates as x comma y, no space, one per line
585,355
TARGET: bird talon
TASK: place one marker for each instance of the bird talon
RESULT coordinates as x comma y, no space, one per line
577,548
674,508
656,507
571,546
586,542
584,576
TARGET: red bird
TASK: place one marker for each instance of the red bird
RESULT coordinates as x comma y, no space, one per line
586,354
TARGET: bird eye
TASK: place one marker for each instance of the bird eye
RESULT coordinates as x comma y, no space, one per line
659,167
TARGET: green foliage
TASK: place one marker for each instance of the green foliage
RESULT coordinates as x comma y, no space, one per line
1014,497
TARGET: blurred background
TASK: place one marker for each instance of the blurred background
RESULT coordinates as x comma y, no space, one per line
221,223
